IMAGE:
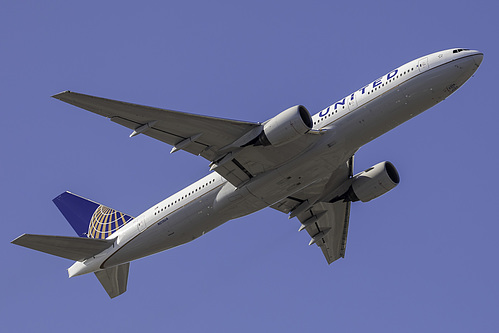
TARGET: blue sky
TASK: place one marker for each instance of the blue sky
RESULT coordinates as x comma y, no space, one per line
421,258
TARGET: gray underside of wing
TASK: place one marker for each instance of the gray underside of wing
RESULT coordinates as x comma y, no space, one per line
335,223
210,137
114,279
329,229
171,127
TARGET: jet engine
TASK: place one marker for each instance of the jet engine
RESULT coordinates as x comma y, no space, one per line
287,126
373,182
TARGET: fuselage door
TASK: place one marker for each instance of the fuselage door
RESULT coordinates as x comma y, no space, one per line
352,101
423,64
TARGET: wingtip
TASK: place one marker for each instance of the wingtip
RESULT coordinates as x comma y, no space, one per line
58,95
15,241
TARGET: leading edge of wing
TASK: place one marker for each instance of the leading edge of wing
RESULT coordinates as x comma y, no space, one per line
220,141
204,134
98,105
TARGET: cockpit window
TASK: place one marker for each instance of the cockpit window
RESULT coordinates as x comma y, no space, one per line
459,50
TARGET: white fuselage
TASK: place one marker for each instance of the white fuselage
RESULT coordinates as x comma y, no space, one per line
345,126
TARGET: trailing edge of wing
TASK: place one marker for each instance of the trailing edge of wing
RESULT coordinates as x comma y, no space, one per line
171,127
220,141
74,248
335,222
326,222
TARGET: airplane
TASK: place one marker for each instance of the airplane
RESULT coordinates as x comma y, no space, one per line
295,163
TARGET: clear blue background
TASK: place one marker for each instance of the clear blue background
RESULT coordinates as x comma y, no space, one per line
421,258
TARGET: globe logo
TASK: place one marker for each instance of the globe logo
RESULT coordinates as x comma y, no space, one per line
105,221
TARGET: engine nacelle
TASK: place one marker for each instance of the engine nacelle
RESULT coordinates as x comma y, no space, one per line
373,182
287,126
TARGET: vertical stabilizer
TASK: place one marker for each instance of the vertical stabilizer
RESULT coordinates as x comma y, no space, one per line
88,218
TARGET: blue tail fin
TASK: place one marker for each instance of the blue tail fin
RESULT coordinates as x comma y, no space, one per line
88,218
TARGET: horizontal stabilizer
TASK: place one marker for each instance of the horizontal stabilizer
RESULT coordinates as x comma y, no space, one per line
114,279
74,248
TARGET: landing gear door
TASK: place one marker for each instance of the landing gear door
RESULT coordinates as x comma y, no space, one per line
423,64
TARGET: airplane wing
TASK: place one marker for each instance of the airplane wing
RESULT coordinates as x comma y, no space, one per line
210,137
330,231
326,222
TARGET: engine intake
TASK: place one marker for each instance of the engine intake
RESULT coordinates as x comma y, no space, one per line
373,182
287,126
